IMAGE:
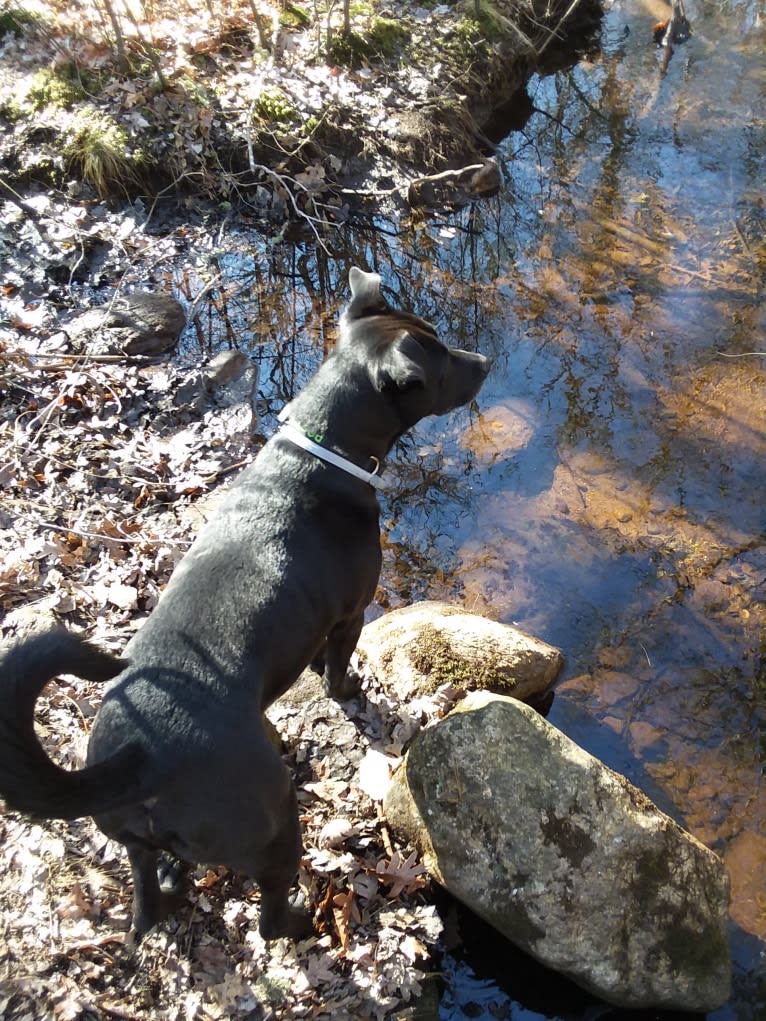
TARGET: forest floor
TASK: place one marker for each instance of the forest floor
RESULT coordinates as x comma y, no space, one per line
307,119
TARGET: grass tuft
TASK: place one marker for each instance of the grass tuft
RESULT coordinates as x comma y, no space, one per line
98,151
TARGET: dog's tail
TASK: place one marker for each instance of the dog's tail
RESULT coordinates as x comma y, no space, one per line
29,780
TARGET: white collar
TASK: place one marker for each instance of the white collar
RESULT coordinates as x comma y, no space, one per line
300,439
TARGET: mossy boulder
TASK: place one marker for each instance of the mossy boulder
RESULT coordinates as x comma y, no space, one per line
417,649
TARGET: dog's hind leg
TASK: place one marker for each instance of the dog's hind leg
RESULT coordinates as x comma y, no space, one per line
278,916
340,681
275,874
148,901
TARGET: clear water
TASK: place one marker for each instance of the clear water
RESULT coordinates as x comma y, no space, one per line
607,492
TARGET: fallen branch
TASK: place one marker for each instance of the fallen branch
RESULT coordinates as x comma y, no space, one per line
744,354
621,231
102,537
288,183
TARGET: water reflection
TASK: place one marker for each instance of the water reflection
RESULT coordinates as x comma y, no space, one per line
608,492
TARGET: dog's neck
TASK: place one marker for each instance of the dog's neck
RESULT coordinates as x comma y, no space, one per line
312,444
341,405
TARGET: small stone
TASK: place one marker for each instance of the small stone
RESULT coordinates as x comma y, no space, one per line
335,833
225,367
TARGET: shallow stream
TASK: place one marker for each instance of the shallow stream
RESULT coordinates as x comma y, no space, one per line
607,491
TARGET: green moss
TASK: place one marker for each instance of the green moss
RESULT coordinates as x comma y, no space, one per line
11,110
483,28
466,37
274,106
274,990
14,20
61,87
194,90
294,16
467,31
435,658
493,24
384,40
387,36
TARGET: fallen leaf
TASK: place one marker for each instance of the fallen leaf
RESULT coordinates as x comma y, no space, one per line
402,875
375,771
123,596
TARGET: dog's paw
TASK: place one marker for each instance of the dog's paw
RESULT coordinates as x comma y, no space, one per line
317,664
347,687
171,874
300,925
294,923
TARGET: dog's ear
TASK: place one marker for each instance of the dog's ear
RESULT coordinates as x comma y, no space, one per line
366,298
401,364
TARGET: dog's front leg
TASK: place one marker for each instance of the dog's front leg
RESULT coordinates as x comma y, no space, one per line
340,680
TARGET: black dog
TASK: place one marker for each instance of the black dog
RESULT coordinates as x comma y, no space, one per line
178,757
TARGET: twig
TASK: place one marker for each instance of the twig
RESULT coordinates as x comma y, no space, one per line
446,174
260,24
65,695
44,417
286,181
554,32
385,834
200,297
63,361
29,211
374,192
114,538
221,473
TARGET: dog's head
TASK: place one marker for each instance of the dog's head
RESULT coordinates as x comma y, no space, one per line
404,356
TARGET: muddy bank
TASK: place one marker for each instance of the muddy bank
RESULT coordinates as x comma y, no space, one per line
284,111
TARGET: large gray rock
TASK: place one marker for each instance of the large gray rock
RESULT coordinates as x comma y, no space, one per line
416,649
565,857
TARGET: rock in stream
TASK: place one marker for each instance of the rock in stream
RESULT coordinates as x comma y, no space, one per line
416,649
565,857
